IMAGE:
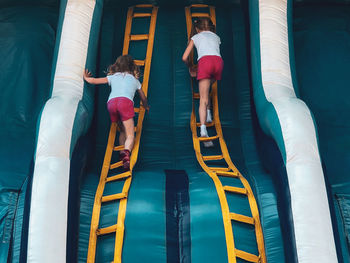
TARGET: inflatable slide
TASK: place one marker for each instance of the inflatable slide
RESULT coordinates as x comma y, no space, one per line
274,188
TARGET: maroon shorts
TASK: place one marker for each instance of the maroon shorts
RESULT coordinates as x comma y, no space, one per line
210,67
120,109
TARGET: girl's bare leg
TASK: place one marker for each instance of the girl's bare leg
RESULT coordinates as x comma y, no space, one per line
204,86
209,115
122,135
129,134
209,103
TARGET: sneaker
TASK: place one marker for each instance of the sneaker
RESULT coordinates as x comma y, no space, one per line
203,130
126,160
209,117
208,143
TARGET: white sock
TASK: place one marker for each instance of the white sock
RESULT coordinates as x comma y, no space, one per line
204,130
209,117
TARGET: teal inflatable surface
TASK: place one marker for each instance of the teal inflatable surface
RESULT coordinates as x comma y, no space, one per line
27,40
186,226
322,41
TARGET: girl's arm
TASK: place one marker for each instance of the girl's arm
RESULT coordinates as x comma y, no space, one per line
88,78
188,52
143,99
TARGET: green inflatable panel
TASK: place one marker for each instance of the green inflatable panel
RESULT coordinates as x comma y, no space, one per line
322,43
27,39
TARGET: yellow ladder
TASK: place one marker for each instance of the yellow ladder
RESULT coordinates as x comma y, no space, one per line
229,169
133,12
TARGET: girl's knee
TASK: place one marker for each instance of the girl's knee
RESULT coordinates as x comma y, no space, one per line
204,102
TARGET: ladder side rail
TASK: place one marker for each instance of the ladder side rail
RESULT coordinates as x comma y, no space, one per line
99,192
251,199
128,31
149,51
221,193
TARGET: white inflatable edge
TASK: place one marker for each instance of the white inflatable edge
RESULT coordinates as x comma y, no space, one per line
49,202
309,201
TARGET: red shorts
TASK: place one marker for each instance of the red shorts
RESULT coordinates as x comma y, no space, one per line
210,67
120,109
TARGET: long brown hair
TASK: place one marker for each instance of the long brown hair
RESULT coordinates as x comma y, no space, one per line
124,64
203,24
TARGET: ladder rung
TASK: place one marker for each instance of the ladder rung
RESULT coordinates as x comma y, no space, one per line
139,62
210,124
242,218
144,6
220,169
247,256
213,157
116,165
118,177
139,37
142,15
109,198
207,139
200,15
227,174
237,190
106,230
119,148
199,5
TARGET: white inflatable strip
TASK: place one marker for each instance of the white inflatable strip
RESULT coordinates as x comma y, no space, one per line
309,201
49,202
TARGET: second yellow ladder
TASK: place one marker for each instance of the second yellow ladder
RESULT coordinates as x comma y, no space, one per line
226,170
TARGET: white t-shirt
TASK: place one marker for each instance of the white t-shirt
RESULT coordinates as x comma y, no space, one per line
207,44
123,85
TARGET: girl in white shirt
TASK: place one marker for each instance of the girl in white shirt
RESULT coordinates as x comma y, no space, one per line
210,66
123,78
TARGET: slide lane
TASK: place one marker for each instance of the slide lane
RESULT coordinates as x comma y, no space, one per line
242,132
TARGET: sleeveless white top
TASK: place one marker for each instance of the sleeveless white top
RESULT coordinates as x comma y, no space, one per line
207,44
